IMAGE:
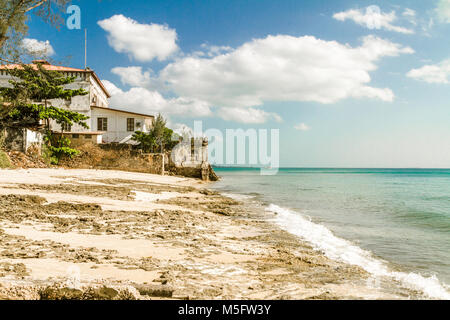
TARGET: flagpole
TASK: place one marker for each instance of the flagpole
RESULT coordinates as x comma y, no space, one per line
85,49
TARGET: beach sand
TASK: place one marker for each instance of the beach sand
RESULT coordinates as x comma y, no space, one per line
93,234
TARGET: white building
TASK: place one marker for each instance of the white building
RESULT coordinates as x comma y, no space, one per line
106,125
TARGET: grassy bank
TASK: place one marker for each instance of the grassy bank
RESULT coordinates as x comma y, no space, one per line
4,160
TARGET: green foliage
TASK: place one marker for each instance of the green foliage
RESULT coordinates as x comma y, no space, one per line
158,130
170,139
4,107
159,138
28,115
46,155
4,160
146,140
59,147
28,102
35,83
2,139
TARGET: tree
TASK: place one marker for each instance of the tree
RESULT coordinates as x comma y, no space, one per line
29,98
28,101
13,18
158,131
159,138
146,141
170,139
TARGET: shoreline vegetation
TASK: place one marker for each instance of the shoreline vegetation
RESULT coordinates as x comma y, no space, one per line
104,234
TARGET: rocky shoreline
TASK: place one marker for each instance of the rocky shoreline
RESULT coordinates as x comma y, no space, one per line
93,234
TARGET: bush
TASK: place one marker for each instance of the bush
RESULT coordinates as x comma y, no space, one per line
58,148
92,156
2,138
159,139
4,160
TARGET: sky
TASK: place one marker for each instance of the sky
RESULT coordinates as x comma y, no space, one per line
347,83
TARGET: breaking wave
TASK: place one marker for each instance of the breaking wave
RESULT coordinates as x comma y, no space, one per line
339,249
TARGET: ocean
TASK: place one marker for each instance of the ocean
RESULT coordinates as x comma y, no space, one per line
394,223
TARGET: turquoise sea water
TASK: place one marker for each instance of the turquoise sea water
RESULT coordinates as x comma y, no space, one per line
398,216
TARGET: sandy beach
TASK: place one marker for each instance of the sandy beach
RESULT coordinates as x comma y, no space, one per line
92,234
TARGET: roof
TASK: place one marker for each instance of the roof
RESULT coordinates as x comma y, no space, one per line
124,111
47,66
81,133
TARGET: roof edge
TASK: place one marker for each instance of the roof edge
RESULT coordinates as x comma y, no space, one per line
125,111
46,64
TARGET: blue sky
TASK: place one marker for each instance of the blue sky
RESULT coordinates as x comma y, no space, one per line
354,88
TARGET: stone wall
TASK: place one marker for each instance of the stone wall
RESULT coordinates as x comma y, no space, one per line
189,154
191,160
134,160
21,139
204,172
184,160
156,161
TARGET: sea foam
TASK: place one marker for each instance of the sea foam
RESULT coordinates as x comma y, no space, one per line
237,197
339,249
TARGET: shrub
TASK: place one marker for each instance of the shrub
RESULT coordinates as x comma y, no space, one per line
59,147
4,160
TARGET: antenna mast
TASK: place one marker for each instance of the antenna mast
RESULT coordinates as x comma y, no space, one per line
85,49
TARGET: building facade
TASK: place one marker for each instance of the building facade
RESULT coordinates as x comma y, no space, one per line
106,125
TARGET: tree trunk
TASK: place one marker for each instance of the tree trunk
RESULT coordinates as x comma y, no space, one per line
17,10
7,24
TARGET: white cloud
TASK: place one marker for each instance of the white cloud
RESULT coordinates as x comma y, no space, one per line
143,42
181,129
409,12
282,68
133,76
189,107
111,87
36,47
142,100
443,11
410,15
373,18
437,73
212,51
302,127
274,69
247,115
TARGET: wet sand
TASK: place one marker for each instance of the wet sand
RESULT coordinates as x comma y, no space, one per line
93,234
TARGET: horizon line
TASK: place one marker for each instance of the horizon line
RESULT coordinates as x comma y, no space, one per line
361,168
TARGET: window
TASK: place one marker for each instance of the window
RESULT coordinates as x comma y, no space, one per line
75,136
130,124
88,136
66,127
102,124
